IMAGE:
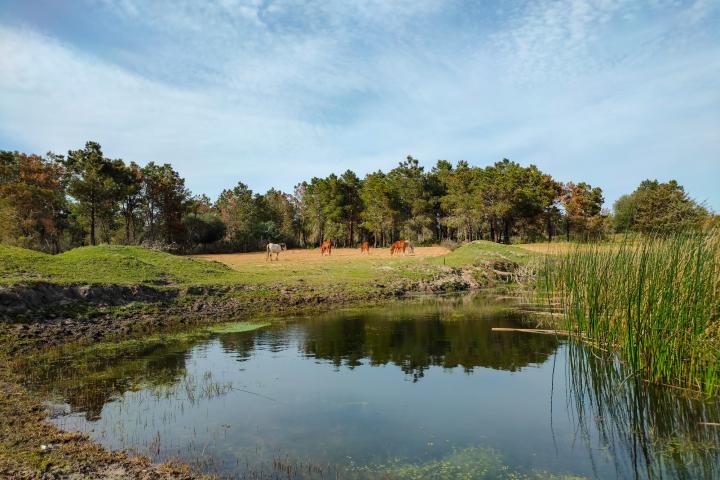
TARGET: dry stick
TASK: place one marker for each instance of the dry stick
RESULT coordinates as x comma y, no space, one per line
560,333
710,424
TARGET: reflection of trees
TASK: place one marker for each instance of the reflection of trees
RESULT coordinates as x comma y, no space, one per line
242,344
88,380
421,337
651,431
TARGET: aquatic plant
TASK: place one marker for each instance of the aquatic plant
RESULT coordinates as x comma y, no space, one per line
649,430
655,300
470,463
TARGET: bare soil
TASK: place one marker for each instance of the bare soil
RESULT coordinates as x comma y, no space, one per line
305,256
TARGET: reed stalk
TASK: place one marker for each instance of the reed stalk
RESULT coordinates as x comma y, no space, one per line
654,300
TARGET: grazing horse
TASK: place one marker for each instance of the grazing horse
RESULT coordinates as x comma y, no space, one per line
275,248
365,247
403,245
326,246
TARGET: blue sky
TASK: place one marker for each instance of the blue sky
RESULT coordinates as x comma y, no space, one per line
271,92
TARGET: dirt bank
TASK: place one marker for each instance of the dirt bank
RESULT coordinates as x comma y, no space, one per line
27,298
54,315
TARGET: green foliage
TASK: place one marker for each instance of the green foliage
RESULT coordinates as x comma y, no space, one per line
204,229
658,208
377,218
54,203
33,208
93,183
583,211
165,200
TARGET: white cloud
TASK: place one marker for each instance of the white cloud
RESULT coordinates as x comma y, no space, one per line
360,85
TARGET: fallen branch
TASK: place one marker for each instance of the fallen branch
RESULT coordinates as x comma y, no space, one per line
560,333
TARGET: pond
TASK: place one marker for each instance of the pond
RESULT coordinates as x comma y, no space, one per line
412,390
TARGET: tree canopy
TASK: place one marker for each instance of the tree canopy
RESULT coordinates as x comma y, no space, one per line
658,208
57,202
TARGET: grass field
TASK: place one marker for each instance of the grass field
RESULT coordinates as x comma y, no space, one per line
109,264
612,243
344,265
482,252
346,271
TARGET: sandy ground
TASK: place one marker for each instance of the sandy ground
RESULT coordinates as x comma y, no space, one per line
299,257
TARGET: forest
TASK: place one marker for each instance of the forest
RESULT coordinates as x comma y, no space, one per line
56,202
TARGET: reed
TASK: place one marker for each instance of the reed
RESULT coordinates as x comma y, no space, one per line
656,301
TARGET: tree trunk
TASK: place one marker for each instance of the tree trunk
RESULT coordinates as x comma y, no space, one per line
127,226
567,229
92,224
549,228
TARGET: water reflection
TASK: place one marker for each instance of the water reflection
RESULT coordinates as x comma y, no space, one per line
649,431
88,380
415,339
385,392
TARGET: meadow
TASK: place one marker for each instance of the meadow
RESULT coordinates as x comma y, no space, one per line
131,265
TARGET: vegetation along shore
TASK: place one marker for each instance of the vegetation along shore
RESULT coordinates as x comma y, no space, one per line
113,253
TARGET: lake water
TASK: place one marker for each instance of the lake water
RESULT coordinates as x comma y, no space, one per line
416,390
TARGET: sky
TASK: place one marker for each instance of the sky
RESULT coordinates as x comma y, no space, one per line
272,92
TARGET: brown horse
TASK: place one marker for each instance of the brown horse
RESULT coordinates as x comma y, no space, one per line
403,245
365,247
326,246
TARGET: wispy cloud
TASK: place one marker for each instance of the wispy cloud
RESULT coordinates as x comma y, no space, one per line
274,91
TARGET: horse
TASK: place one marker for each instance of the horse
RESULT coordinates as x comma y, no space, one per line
275,248
401,245
365,247
326,246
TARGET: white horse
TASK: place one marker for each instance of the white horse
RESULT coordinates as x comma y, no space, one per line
275,248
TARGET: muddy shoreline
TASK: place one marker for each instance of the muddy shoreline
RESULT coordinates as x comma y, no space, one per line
46,315
54,316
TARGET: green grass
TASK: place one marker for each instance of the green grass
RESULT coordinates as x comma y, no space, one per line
482,252
656,301
237,327
110,264
128,265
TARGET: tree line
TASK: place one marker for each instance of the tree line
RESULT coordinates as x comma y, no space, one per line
55,202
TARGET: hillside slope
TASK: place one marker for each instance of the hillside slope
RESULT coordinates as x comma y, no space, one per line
110,264
483,252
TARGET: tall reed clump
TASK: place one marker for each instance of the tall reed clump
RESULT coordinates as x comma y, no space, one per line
656,301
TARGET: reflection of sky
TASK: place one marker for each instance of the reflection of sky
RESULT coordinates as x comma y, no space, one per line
222,89
325,414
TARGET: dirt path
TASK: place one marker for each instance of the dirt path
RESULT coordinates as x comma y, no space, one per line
299,257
